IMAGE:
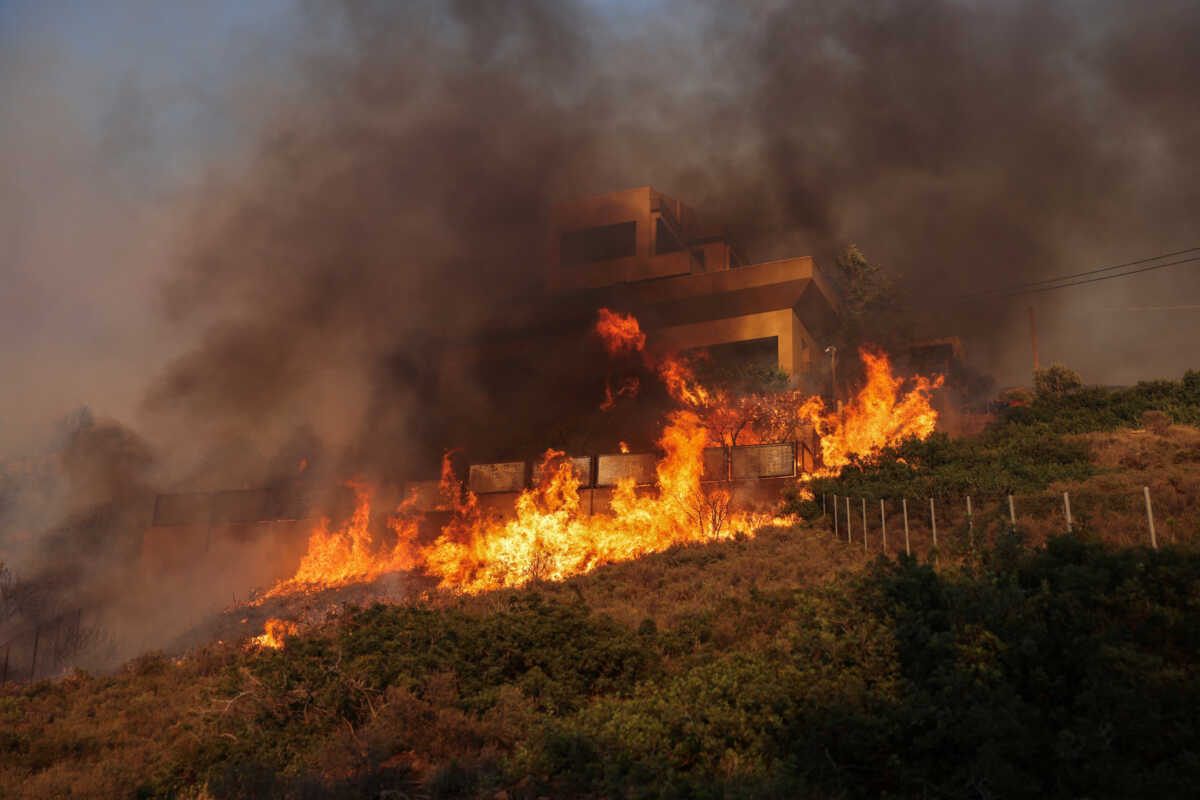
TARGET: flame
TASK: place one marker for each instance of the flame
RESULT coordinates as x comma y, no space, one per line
629,388
553,535
351,553
624,447
881,414
878,416
620,333
274,632
681,382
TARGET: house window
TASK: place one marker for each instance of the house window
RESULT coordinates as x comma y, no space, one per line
732,357
602,243
665,240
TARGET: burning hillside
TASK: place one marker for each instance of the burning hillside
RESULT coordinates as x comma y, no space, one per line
552,535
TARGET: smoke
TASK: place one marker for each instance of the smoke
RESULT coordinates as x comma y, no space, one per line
397,203
367,192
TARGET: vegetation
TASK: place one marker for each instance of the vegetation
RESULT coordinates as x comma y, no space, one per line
1069,670
1056,379
873,309
1032,445
787,665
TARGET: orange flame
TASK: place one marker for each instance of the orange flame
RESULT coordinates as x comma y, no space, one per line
629,388
621,333
274,632
351,554
553,535
878,416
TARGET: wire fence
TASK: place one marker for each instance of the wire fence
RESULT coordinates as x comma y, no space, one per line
941,525
42,648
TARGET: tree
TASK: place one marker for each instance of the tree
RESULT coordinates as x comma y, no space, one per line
873,311
1018,396
743,397
1055,380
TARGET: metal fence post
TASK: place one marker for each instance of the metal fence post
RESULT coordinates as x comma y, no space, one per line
835,517
904,505
1067,508
1012,513
849,540
883,524
933,528
1150,517
864,513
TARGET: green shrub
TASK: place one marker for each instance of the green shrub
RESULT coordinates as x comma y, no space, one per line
1024,451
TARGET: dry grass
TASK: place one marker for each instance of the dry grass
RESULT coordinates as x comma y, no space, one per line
665,586
98,737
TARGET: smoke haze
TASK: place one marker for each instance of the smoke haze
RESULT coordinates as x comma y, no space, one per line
350,185
402,195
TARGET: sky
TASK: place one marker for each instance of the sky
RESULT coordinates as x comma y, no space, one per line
112,113
125,126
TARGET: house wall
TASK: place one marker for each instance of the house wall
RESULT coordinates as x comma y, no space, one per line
795,343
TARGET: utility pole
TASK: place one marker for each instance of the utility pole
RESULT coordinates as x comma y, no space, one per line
1033,338
832,350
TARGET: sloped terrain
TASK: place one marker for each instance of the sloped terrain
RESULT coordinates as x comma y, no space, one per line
784,665
787,664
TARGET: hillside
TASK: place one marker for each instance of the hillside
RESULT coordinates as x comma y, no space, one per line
1071,669
788,664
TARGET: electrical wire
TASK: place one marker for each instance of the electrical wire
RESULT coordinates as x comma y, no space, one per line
1034,287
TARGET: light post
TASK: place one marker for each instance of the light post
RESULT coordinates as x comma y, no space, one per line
832,350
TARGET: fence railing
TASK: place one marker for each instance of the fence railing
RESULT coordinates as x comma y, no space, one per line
860,517
41,647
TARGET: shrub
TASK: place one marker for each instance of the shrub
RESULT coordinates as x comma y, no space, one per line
1055,380
1025,450
1156,422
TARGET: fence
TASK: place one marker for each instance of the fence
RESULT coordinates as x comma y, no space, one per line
971,518
748,462
44,646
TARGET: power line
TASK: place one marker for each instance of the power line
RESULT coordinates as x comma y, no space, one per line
1102,277
1035,288
1040,285
1152,308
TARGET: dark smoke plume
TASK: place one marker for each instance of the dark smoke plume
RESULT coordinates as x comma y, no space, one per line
399,202
393,207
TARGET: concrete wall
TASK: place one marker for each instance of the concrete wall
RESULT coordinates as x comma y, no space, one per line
796,345
642,206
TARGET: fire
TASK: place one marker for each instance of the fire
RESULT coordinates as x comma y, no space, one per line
274,632
351,554
553,535
629,388
621,333
878,416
